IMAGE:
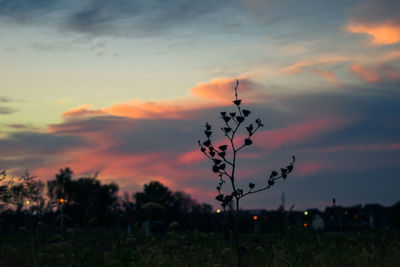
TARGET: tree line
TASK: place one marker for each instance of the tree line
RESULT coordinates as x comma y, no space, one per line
86,201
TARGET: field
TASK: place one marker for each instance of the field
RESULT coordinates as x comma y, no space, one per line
103,248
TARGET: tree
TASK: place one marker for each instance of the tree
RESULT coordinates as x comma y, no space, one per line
225,166
85,199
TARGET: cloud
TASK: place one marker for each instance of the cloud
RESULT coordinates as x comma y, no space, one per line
7,110
378,19
376,74
319,61
328,75
365,147
331,134
113,17
384,33
204,95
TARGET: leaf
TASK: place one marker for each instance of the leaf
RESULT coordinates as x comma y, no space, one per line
246,112
233,114
220,197
248,141
283,170
251,185
237,102
228,199
212,153
250,129
222,166
240,119
217,161
221,154
203,149
207,143
218,188
215,168
274,173
290,168
208,133
226,119
208,127
223,114
223,147
227,129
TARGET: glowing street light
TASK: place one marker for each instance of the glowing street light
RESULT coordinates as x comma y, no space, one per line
27,202
306,213
255,218
218,211
62,200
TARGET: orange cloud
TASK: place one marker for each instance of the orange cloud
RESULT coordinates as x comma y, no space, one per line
329,75
216,92
221,91
84,110
383,33
300,65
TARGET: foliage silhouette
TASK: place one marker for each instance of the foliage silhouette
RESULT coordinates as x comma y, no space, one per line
85,200
225,167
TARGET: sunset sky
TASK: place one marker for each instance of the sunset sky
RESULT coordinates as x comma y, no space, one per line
124,87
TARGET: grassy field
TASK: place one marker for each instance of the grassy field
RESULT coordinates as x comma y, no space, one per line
199,249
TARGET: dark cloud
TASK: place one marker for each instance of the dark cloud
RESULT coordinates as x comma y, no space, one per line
35,143
113,17
6,110
375,11
187,17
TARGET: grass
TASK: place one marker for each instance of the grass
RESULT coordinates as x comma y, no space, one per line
200,249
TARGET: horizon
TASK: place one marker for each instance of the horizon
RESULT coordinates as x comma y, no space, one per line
124,90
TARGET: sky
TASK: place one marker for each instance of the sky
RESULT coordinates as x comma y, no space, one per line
124,87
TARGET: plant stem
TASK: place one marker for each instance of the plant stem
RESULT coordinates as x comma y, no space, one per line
238,250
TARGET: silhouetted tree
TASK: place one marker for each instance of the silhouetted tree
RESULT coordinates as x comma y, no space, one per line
86,200
224,165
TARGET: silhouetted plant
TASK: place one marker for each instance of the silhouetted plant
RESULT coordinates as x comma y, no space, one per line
225,166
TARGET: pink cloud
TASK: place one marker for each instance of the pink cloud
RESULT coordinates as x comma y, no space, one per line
273,139
309,168
364,147
365,73
375,74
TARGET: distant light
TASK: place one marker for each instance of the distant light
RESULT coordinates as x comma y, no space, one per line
305,225
61,200
355,216
255,217
218,211
306,213
346,212
27,202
